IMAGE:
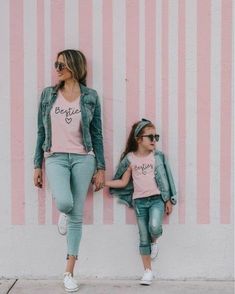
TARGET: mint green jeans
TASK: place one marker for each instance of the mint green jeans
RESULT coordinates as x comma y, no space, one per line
69,176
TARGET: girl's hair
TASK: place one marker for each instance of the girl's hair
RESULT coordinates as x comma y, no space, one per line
75,61
132,145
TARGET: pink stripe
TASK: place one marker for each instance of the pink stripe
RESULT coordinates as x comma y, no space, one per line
40,84
181,111
226,113
57,44
203,109
17,111
132,74
85,43
85,34
108,103
150,58
165,64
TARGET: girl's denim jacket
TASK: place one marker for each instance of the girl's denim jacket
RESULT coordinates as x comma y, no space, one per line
90,122
163,179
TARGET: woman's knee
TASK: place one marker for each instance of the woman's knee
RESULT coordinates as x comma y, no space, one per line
64,206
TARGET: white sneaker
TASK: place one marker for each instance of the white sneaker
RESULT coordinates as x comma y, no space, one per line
154,250
62,224
147,277
70,283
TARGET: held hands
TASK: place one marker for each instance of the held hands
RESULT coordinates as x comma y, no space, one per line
37,178
99,179
168,207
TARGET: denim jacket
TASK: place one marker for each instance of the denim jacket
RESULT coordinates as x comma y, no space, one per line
90,123
163,179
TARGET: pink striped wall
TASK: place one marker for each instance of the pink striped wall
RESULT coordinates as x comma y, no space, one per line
57,44
141,47
40,84
203,109
108,103
132,73
17,111
181,110
150,49
165,79
226,113
85,45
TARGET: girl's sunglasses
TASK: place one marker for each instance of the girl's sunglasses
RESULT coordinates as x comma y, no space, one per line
59,66
152,137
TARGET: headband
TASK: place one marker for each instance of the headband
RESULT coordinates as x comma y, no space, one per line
144,122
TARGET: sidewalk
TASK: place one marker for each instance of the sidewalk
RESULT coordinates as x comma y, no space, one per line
117,287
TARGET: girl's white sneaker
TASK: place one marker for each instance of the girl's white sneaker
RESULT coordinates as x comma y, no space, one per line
70,284
62,224
147,277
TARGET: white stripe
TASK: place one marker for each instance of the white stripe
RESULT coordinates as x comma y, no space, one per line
119,92
71,24
173,96
215,110
97,54
191,111
47,76
97,83
5,108
30,108
158,66
142,58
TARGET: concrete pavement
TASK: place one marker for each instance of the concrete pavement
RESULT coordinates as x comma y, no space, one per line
117,287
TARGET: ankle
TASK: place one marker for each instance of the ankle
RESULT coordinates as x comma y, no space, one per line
67,273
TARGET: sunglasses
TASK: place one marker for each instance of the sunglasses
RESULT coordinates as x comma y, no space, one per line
59,65
152,137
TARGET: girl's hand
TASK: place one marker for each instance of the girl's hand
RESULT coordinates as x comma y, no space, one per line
98,179
37,178
168,207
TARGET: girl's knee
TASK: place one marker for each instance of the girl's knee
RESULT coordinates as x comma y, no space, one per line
155,230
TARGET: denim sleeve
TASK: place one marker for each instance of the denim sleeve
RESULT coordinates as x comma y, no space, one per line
122,167
96,135
173,198
123,194
38,156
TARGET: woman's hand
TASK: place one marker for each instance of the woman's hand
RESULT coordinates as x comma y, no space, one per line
37,178
168,207
99,179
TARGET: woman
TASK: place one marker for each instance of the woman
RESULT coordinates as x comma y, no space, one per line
70,139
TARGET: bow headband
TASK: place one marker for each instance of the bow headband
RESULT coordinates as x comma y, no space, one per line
144,122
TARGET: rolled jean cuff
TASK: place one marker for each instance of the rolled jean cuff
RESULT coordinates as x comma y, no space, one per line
145,250
76,257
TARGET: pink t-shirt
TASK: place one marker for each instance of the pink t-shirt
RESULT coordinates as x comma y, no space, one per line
66,126
142,168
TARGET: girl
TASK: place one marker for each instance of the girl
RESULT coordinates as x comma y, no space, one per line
70,139
143,180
